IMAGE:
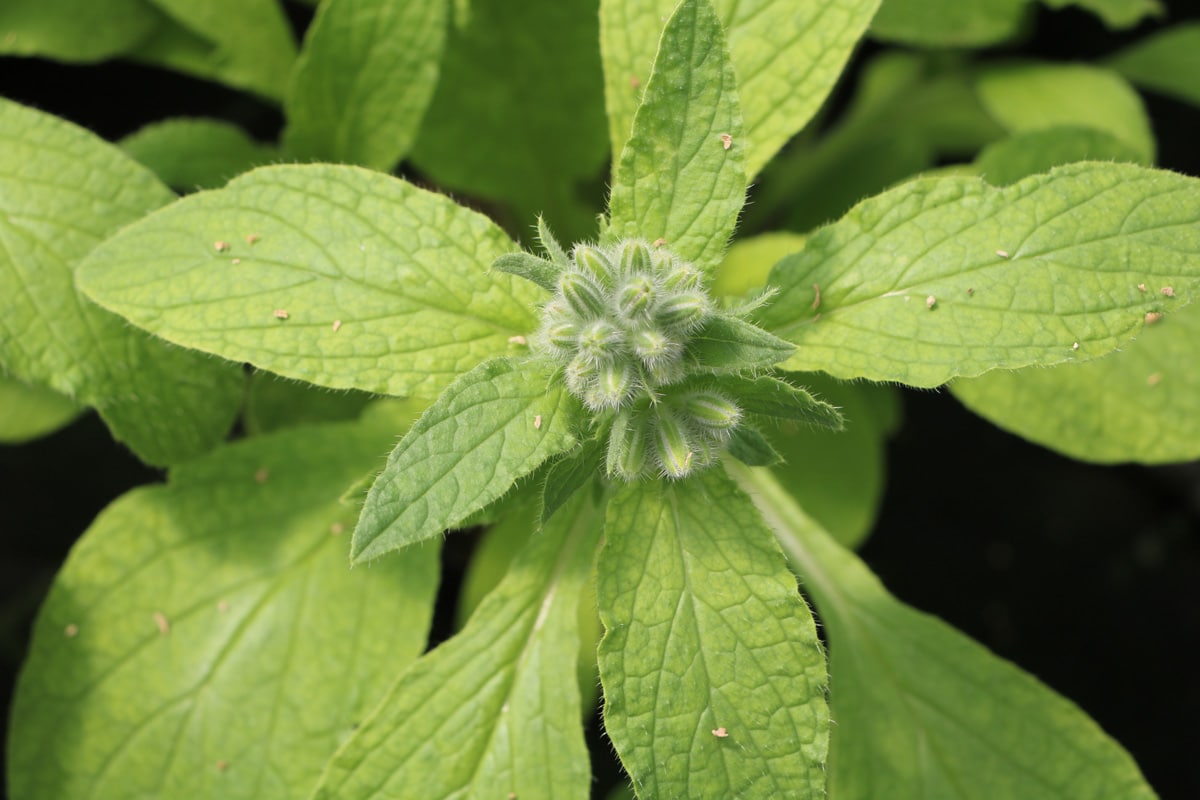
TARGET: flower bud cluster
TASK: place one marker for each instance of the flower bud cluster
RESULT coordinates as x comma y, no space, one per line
618,326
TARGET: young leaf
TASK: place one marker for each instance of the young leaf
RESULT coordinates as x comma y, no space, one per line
330,274
1033,96
363,81
950,277
772,397
494,711
750,447
921,709
728,344
62,190
528,266
713,676
490,428
274,403
190,154
28,411
681,176
1008,160
75,30
1167,62
1135,405
949,23
787,56
569,475
205,638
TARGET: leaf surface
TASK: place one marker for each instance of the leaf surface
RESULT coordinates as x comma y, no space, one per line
713,675
495,711
62,191
922,710
205,638
365,76
949,277
949,23
330,274
196,153
75,30
1008,160
1167,62
492,427
787,57
28,412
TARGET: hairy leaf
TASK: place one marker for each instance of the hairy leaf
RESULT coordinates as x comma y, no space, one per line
490,428
28,411
205,638
495,711
363,81
714,679
949,277
330,274
1009,160
190,154
62,191
75,30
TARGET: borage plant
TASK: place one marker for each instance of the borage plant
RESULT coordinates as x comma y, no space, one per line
626,416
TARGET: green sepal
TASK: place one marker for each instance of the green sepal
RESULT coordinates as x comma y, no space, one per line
546,239
568,475
751,448
531,268
729,344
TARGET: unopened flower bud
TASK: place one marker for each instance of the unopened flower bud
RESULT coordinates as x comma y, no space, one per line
561,336
614,384
582,295
600,341
627,447
635,258
654,348
592,260
682,312
635,300
711,411
672,447
682,276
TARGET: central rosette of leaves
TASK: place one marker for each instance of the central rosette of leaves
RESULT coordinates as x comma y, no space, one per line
619,326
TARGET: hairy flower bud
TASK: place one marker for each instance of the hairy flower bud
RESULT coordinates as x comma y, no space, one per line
582,295
673,449
682,312
627,447
596,264
635,298
711,411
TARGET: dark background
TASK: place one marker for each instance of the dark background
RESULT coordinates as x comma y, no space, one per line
1088,577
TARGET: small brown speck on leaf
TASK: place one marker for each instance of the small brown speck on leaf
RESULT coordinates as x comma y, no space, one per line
262,475
816,296
281,313
160,619
1153,378
337,528
720,733
1002,253
970,292
634,81
251,238
71,631
512,796
337,323
222,765
220,246
930,301
1153,317
726,141
517,340
659,242
223,606
1168,291
537,422
1141,287
236,261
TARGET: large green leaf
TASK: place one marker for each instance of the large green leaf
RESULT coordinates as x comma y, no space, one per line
976,23
205,639
62,191
75,30
244,43
714,679
27,411
1115,13
365,76
334,275
787,57
1166,62
1008,160
495,711
196,153
949,277
274,403
681,177
1033,96
518,115
490,428
922,711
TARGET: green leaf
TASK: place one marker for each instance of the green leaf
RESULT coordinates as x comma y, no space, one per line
490,428
247,44
1166,62
569,475
518,114
678,179
1135,405
62,190
274,403
744,269
495,711
75,30
949,23
1115,13
1032,96
205,639
729,344
190,154
787,56
949,277
772,397
28,412
384,285
1008,160
713,676
533,269
364,78
923,711
750,447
